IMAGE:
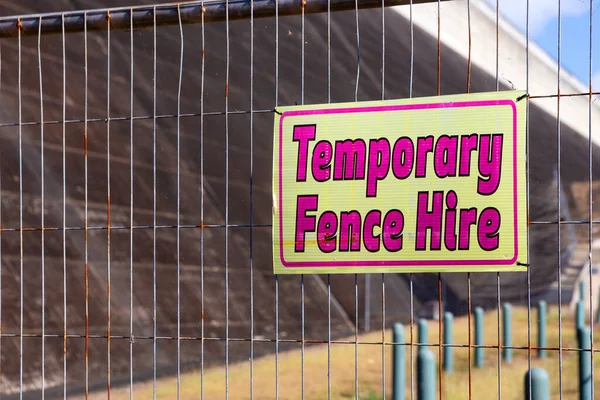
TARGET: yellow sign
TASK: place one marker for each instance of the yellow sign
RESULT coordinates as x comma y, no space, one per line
432,184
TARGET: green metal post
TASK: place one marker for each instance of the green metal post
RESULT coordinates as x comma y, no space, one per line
598,310
422,333
399,366
425,375
540,384
585,364
478,337
448,364
507,332
541,306
579,316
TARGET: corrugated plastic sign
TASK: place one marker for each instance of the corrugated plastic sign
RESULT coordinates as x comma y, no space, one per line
432,184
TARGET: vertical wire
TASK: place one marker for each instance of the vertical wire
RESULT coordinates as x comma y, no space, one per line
559,196
42,210
85,233
227,203
383,335
108,230
1,259
412,305
469,58
328,275
412,320
251,199
20,216
302,323
357,51
356,327
591,201
328,336
383,275
439,87
412,52
179,205
383,54
439,49
499,359
499,362
276,276
527,161
329,51
154,207
131,111
469,333
202,210
64,208
356,337
440,348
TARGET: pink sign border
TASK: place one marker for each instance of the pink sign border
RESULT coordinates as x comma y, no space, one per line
396,263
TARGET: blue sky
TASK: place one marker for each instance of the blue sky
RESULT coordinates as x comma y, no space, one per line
575,31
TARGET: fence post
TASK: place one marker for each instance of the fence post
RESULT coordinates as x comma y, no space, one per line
579,316
422,333
598,309
399,366
541,306
448,364
425,375
507,332
540,384
478,337
585,364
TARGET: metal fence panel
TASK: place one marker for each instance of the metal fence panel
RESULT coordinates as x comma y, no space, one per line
135,199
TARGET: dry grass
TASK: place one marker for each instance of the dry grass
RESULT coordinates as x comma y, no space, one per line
370,383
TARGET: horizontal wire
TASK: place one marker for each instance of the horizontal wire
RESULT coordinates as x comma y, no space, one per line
556,95
216,113
213,226
306,341
211,113
129,118
127,227
148,16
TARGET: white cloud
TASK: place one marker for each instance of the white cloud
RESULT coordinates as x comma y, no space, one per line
541,12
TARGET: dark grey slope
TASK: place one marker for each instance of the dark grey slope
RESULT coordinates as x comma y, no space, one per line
199,308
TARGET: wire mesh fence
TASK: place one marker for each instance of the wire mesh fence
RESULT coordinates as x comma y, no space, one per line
135,201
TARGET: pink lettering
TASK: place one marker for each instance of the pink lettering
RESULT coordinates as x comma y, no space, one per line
468,217
393,224
321,160
372,220
488,228
303,134
445,156
489,164
403,158
304,223
326,231
424,146
350,156
429,220
450,234
468,143
379,164
350,225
